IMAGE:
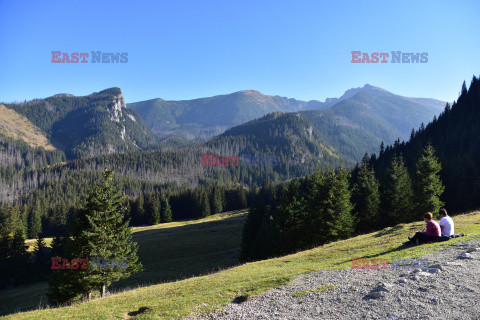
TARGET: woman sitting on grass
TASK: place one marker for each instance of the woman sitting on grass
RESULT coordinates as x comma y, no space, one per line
432,234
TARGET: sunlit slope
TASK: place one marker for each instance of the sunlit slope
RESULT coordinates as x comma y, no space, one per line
182,298
18,127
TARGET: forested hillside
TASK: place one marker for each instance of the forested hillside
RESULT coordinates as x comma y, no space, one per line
455,134
90,125
438,167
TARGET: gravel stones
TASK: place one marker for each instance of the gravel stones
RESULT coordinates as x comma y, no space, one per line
452,290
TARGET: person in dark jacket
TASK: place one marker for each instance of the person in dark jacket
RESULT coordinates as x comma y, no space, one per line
432,233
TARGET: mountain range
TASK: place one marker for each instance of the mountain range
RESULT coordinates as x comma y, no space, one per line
101,123
203,118
358,122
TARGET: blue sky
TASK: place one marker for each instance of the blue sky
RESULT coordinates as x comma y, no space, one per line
190,49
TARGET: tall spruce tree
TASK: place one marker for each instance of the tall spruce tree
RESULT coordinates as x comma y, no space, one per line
396,195
138,210
166,210
366,198
428,186
217,200
329,208
255,235
152,209
336,207
101,234
34,223
19,256
289,219
204,204
42,258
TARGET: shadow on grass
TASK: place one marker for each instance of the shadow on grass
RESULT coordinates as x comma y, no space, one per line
388,231
167,254
176,253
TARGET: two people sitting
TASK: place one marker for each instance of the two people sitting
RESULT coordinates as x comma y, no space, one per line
434,231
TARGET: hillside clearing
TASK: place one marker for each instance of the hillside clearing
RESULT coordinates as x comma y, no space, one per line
17,126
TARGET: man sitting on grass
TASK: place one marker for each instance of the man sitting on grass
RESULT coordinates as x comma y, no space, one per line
431,235
446,224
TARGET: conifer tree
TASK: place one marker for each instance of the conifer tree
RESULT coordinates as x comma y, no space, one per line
428,186
152,209
204,204
138,210
289,219
396,194
217,200
336,208
242,198
18,258
34,223
5,252
41,258
255,233
366,198
101,235
166,211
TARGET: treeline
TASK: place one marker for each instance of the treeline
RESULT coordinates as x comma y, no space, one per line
455,134
51,206
47,196
17,266
336,204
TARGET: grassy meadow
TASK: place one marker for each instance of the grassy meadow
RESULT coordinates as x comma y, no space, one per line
205,293
168,252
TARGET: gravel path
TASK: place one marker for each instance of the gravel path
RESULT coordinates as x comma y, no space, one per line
449,289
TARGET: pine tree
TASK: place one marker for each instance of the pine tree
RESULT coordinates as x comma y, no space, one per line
242,198
255,233
217,200
152,209
138,211
428,186
336,208
204,204
101,235
18,258
34,223
166,211
396,195
288,221
464,89
5,253
10,220
41,258
366,198
382,149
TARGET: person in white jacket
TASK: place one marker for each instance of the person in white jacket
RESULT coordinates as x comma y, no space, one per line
446,224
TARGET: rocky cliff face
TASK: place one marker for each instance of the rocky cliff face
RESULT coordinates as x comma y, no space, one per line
118,104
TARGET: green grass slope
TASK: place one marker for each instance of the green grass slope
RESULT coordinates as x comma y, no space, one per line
206,293
169,252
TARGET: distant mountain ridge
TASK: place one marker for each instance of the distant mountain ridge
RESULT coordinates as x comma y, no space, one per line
206,117
357,123
89,125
